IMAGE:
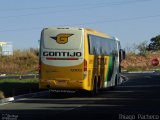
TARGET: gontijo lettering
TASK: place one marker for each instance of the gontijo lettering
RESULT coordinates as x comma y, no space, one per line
62,54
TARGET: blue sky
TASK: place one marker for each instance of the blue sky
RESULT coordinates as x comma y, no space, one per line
132,21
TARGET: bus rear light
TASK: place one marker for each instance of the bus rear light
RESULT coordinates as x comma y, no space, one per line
85,69
39,67
85,65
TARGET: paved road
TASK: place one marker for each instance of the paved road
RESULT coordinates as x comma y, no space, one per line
137,98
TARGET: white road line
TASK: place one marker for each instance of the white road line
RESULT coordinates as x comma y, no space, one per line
3,104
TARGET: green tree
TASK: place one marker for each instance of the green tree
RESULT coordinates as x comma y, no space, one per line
155,44
142,48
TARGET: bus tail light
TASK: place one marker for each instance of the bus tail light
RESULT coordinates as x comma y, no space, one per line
85,69
85,65
39,67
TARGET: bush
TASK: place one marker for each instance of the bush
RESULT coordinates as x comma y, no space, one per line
140,62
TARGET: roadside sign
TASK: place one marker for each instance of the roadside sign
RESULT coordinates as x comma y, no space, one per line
155,62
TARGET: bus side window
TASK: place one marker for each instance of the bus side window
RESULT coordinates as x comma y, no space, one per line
96,51
102,51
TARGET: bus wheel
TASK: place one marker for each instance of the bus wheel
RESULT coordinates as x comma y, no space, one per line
51,94
116,81
94,92
115,84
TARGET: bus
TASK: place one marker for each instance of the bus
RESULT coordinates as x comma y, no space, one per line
78,59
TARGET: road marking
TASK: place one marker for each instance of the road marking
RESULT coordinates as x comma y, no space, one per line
147,77
6,100
102,105
29,95
3,104
142,72
118,91
140,86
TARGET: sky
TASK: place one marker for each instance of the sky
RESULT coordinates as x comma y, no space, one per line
131,21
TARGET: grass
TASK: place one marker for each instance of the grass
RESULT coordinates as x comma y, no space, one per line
14,87
130,69
157,70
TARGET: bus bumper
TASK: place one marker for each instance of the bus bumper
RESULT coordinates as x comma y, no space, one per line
61,84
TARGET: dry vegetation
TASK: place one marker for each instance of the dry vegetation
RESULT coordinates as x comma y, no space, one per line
21,62
26,61
134,62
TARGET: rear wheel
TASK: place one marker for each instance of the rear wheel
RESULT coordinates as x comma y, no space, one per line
115,84
94,92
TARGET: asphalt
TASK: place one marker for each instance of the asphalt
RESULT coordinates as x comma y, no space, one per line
136,98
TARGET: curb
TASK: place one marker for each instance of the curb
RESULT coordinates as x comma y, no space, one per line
142,72
157,73
146,72
4,100
10,99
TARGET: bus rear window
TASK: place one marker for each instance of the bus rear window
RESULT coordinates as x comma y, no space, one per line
62,39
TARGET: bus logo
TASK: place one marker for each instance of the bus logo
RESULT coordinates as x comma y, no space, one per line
62,38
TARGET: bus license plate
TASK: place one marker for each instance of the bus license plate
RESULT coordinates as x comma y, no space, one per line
61,82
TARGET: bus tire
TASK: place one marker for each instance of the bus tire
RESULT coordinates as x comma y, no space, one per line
116,81
94,92
115,84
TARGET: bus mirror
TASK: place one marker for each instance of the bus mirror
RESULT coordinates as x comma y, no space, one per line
122,54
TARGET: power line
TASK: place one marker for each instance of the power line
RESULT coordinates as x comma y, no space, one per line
87,23
101,3
73,9
120,20
21,29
